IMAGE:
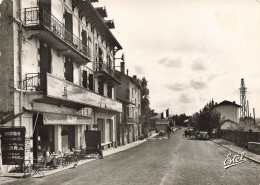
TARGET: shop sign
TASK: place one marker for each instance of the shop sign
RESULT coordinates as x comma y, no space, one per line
61,89
13,147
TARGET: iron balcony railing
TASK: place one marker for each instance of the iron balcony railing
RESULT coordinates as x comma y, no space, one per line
40,17
102,66
127,119
35,82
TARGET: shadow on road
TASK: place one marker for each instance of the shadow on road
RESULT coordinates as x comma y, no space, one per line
193,138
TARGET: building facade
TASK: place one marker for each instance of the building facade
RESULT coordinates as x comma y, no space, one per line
57,65
129,127
228,110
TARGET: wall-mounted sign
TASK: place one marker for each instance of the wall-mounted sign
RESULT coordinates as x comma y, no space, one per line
162,122
63,90
13,145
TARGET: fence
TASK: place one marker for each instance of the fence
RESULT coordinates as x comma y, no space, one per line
240,137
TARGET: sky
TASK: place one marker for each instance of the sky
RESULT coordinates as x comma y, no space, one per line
190,51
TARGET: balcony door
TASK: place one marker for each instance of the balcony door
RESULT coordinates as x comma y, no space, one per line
68,26
45,4
45,58
91,84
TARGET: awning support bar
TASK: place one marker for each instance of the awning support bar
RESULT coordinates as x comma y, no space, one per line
35,122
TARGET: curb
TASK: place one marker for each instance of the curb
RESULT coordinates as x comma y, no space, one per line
251,159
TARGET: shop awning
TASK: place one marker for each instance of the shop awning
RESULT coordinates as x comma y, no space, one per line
65,119
9,117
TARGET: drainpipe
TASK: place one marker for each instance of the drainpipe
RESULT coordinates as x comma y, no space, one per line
20,37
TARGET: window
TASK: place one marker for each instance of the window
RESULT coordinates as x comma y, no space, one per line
45,58
80,15
127,111
84,37
109,91
68,69
100,55
101,87
85,79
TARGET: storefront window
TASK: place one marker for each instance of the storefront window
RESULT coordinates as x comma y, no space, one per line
43,137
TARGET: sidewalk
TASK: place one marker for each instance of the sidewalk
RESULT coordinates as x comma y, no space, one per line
9,177
237,149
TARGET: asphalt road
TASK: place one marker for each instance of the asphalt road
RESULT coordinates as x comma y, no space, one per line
177,160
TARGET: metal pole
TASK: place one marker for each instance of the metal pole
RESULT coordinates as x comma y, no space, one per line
247,108
254,114
35,122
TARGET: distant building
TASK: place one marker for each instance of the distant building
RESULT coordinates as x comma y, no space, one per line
229,125
160,124
230,112
129,127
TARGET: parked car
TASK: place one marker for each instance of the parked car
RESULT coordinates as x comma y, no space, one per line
161,133
201,135
189,132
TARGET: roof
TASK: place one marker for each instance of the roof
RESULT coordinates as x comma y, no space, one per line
110,24
90,12
228,120
225,102
102,11
133,80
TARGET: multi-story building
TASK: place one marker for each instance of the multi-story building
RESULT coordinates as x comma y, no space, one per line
129,93
57,61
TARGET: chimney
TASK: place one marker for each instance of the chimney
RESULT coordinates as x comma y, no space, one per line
127,72
234,102
216,103
122,67
134,76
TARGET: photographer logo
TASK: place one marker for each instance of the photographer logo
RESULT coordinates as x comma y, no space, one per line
234,160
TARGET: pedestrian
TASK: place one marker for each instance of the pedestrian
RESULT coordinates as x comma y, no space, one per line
48,160
169,130
99,151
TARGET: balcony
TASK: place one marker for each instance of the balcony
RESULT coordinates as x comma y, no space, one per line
128,120
45,26
58,91
108,73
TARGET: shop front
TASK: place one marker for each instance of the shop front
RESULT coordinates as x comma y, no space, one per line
58,133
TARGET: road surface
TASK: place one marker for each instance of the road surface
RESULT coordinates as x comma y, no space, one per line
178,160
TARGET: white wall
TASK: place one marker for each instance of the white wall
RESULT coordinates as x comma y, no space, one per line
229,112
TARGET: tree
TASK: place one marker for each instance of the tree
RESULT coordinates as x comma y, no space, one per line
180,120
146,111
145,103
207,119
